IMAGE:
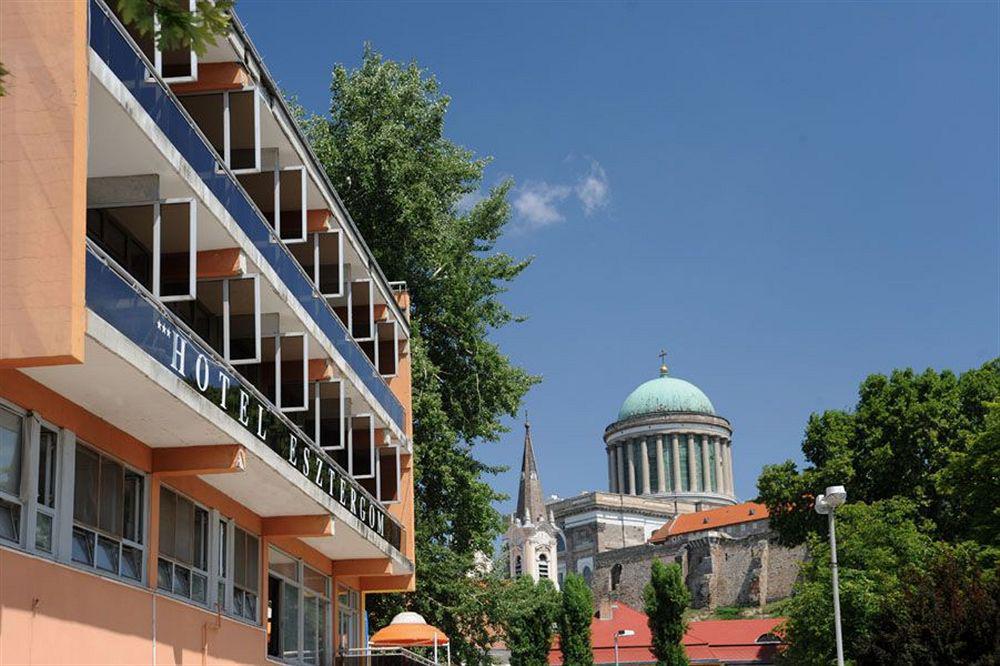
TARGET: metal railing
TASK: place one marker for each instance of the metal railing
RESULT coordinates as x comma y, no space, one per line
387,656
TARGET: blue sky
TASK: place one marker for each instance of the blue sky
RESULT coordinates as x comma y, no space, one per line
785,196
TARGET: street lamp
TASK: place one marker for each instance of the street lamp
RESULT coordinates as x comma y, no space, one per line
826,505
621,633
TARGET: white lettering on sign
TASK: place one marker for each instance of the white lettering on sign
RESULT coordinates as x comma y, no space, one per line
201,372
244,405
177,354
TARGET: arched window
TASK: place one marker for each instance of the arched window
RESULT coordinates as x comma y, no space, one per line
517,565
588,575
616,576
543,566
768,639
560,543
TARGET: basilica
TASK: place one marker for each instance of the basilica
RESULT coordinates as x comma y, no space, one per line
670,496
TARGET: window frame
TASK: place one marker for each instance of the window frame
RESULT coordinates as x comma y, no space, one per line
300,586
227,317
158,54
98,532
176,562
227,577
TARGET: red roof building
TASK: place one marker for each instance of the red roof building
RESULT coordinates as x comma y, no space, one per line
712,519
711,642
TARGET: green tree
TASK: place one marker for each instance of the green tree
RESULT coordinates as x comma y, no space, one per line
970,483
404,183
875,542
530,613
178,26
905,431
948,612
575,617
666,598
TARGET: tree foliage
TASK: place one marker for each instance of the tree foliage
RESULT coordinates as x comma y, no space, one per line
904,434
666,598
178,27
404,183
919,457
574,621
530,611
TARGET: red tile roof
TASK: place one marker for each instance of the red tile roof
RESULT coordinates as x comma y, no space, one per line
698,521
710,642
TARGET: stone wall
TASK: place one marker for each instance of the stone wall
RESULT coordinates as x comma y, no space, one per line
719,570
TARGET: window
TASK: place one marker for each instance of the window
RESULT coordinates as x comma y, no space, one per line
616,576
11,448
107,515
517,566
45,507
182,567
298,610
238,571
543,566
316,617
231,123
348,617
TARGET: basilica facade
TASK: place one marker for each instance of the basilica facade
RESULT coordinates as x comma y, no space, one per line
669,457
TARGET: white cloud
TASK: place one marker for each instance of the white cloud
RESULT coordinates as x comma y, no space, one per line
537,204
593,189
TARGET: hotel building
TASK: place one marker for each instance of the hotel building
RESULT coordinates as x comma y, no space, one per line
205,427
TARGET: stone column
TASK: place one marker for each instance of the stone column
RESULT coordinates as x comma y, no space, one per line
619,467
612,476
729,465
644,465
706,466
661,471
692,466
720,466
630,472
675,456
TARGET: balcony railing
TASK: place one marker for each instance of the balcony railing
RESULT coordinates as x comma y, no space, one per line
117,298
117,49
391,656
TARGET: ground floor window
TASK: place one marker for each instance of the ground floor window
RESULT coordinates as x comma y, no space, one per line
11,452
108,506
239,571
298,611
348,618
182,564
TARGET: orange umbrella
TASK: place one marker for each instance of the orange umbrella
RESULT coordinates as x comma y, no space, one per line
408,630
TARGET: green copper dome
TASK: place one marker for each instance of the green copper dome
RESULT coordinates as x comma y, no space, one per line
665,394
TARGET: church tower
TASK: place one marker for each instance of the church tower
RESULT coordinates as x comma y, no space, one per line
532,535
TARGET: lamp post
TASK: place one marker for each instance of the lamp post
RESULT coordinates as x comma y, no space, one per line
621,633
826,505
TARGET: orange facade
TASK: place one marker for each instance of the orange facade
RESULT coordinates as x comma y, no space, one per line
143,518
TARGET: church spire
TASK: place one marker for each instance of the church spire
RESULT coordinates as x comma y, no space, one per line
530,505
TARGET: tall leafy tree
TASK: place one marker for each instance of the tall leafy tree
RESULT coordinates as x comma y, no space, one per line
529,616
666,598
407,186
905,431
875,543
574,621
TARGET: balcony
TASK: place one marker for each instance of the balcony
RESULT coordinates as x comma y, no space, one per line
373,656
259,237
148,374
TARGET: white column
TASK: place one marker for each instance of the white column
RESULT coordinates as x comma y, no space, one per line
720,474
630,473
706,469
620,467
644,465
692,465
661,472
675,455
729,465
612,476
